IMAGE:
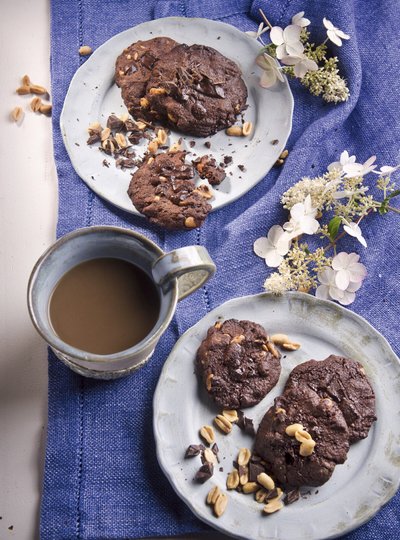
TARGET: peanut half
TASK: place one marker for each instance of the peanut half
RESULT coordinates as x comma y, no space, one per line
207,434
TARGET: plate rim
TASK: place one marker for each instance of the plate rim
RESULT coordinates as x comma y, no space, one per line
357,522
69,146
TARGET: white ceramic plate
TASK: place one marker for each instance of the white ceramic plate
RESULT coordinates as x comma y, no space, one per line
356,490
93,96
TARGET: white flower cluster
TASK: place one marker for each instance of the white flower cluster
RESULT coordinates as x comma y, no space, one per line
290,51
338,191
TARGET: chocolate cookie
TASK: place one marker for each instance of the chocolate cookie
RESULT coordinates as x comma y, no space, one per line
322,419
196,90
345,382
236,366
133,70
163,190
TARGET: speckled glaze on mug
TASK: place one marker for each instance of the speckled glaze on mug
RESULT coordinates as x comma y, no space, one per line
175,275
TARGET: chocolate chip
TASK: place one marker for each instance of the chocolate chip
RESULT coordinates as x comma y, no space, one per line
227,160
242,167
254,470
245,424
192,450
115,123
215,450
192,143
94,138
271,494
106,163
204,473
292,496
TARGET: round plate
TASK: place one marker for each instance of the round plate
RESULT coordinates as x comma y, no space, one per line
93,96
356,490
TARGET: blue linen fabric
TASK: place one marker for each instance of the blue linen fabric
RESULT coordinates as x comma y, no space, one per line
102,480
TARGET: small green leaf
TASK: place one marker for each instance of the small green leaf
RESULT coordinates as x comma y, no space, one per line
333,227
383,209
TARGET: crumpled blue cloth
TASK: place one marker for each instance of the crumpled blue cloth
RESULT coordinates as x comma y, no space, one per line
102,480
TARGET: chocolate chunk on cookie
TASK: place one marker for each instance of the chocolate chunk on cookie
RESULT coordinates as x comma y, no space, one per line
133,70
322,419
196,90
163,190
344,381
236,366
208,169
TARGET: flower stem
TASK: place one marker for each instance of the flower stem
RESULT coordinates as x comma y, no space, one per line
265,18
397,210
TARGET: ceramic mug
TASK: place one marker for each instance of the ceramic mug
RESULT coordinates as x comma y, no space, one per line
175,275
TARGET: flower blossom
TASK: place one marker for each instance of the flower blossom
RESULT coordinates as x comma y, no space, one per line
344,159
260,31
328,290
271,70
352,170
386,170
302,219
350,192
353,229
300,20
348,269
302,64
334,34
273,247
287,41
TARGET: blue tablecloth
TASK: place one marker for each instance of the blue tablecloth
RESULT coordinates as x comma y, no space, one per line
102,479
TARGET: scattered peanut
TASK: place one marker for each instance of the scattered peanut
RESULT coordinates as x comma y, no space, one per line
105,134
291,346
250,487
244,456
266,481
234,131
140,125
209,456
274,505
46,108
36,103
231,415
220,504
284,154
232,480
120,138
23,90
209,379
153,146
247,128
144,103
175,147
222,423
243,475
37,89
162,136
157,91
26,80
269,346
260,495
213,495
280,339
17,114
207,434
85,50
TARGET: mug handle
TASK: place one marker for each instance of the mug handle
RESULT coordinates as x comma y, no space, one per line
191,265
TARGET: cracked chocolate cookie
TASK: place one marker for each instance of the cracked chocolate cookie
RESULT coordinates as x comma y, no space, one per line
344,381
196,90
235,364
163,190
325,425
133,70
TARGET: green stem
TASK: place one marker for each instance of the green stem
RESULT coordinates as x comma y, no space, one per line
397,210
